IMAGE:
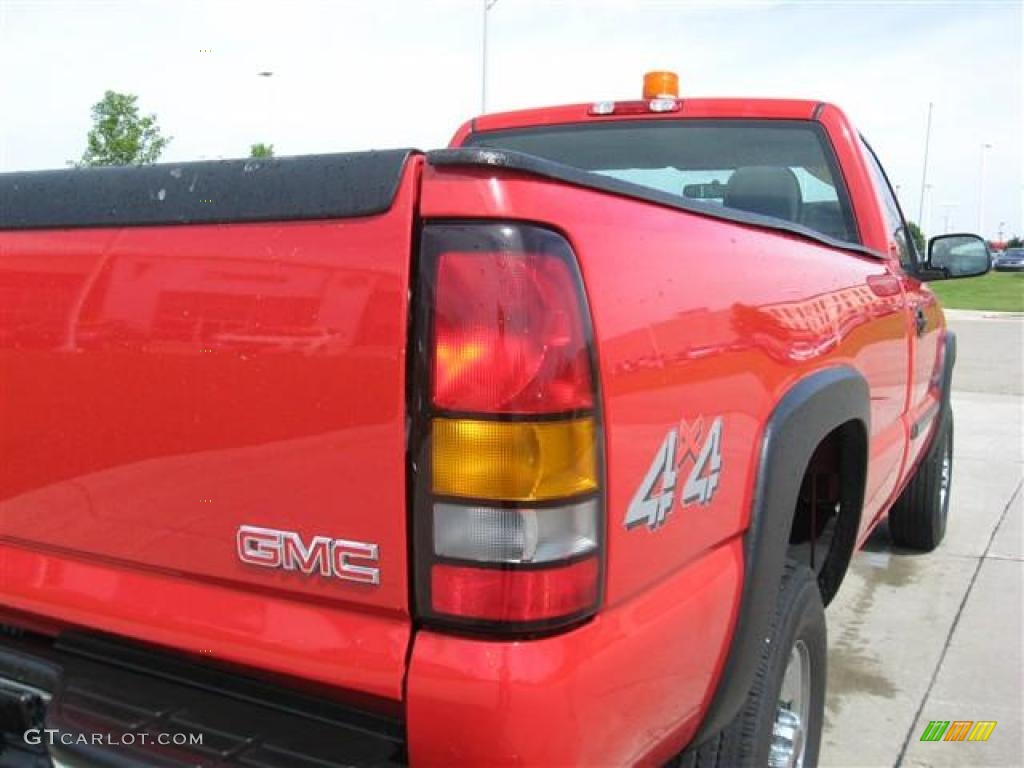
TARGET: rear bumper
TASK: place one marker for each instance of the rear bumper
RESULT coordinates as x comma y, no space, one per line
85,701
628,687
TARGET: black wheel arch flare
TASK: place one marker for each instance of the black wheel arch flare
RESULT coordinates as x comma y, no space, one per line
811,409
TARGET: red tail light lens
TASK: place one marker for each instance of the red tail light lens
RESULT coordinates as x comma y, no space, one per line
508,336
515,595
506,443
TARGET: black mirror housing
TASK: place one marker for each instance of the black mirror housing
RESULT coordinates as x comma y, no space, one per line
955,256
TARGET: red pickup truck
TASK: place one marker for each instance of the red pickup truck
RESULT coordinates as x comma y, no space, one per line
547,448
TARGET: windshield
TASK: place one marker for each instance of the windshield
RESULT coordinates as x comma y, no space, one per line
779,168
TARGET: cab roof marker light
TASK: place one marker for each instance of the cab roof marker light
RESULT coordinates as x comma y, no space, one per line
617,108
664,105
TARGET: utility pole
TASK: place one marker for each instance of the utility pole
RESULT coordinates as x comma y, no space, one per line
488,4
981,188
924,169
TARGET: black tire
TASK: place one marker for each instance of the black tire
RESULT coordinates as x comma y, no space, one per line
747,741
918,518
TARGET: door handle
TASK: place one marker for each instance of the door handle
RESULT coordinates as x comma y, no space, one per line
920,321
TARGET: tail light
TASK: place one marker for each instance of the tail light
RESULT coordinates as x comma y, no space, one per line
506,444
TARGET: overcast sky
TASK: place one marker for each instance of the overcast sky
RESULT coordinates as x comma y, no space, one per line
386,73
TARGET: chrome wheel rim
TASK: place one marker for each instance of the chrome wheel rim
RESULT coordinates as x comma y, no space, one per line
946,475
792,711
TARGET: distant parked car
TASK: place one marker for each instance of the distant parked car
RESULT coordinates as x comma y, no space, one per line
1010,260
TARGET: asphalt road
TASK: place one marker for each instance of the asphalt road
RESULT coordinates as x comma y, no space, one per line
915,638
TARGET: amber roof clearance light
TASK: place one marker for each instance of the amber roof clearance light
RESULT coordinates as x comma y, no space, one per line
661,85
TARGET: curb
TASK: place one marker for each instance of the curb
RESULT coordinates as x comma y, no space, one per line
981,314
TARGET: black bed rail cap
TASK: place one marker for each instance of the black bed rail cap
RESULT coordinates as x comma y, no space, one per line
333,186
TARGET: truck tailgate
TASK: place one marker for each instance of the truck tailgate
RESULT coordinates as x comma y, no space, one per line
202,408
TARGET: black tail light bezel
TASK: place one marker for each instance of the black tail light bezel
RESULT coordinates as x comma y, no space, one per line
436,237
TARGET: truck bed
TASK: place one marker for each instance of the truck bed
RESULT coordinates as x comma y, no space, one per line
168,378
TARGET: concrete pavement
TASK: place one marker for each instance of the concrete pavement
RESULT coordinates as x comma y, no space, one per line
913,637
990,345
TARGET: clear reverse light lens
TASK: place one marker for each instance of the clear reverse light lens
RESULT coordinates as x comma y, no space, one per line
493,535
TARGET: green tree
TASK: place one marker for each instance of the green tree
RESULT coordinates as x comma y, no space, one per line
1015,242
261,150
918,236
120,135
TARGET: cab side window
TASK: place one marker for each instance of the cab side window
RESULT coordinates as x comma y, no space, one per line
891,210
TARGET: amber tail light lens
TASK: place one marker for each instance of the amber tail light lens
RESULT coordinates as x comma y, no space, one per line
506,445
513,461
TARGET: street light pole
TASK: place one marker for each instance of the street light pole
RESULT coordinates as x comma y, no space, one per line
927,210
924,169
946,216
488,4
981,188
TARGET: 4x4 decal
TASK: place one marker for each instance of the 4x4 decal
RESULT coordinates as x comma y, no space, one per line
653,500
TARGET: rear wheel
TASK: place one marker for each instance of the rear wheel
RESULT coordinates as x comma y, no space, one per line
780,723
918,518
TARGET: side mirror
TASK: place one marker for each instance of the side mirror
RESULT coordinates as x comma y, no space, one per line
952,256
